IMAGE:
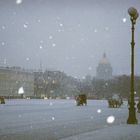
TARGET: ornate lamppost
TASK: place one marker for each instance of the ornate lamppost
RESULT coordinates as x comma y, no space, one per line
132,110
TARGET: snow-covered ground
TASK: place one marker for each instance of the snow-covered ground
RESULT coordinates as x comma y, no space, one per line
63,120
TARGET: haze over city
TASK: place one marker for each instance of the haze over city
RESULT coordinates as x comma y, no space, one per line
69,36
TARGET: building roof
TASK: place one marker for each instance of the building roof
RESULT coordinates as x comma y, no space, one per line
104,60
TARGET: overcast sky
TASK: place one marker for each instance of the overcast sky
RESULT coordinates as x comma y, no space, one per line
68,35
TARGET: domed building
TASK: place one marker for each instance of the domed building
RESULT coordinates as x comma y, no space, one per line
104,69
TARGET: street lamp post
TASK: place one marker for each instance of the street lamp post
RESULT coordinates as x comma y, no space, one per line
132,110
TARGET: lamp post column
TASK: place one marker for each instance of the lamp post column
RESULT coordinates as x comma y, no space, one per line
132,110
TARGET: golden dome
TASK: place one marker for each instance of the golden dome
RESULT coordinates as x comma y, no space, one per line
104,60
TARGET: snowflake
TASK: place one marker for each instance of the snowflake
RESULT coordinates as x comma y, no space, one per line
41,41
18,1
3,27
5,61
50,103
124,20
95,30
83,77
90,68
91,117
61,25
106,84
25,26
50,37
99,111
39,20
2,43
53,44
110,119
75,77
40,47
106,28
19,115
27,58
49,77
53,118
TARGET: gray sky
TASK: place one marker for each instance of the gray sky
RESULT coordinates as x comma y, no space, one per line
68,35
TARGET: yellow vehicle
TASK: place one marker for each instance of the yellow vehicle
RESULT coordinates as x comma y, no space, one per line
81,100
2,100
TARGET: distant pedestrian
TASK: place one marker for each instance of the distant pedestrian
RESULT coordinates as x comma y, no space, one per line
2,101
138,107
129,102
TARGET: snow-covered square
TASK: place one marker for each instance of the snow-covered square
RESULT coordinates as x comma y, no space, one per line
38,119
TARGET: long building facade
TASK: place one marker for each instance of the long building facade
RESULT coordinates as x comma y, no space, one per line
13,79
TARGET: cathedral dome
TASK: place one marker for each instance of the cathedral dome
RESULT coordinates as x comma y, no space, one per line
104,60
104,69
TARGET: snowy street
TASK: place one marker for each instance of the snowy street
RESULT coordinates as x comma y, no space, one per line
62,119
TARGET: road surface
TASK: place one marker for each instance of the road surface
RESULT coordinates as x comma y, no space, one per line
57,119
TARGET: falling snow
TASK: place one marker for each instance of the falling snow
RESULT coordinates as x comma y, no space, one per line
38,20
95,30
18,1
53,118
50,37
40,47
53,45
61,25
65,120
83,77
27,59
99,111
124,20
66,29
3,27
19,115
25,26
90,68
3,43
5,61
110,119
106,28
50,103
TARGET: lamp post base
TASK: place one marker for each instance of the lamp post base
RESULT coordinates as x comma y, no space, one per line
132,116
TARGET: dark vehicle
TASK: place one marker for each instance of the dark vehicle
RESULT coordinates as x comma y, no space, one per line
2,100
115,101
81,100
